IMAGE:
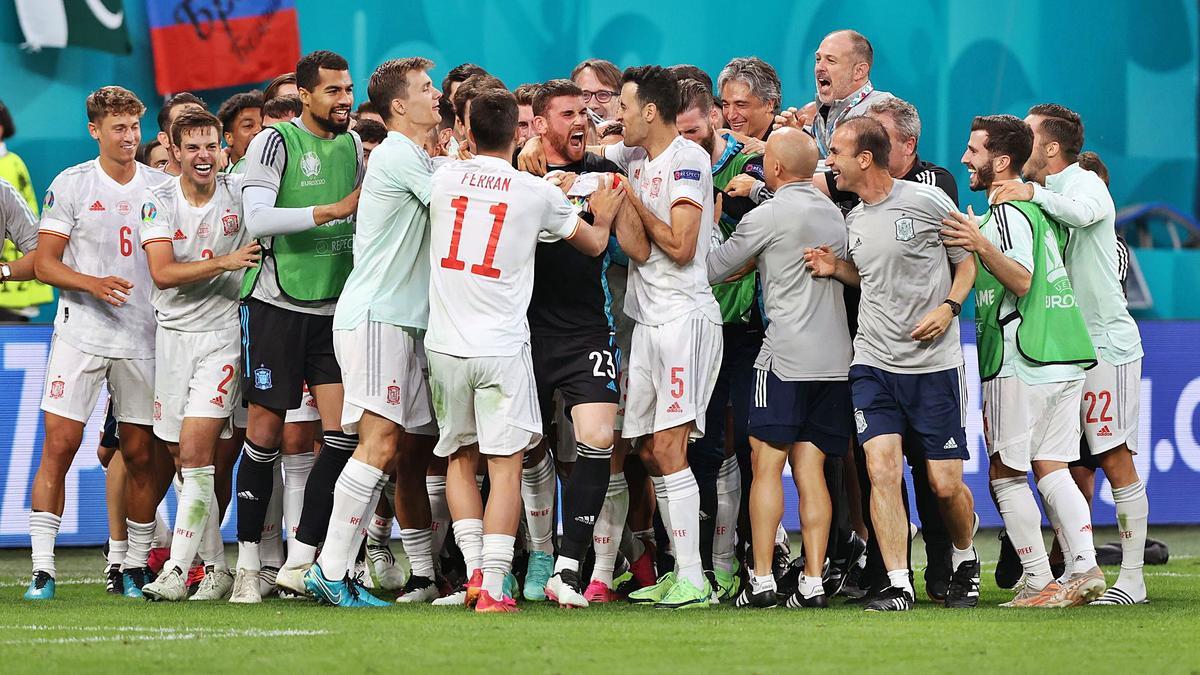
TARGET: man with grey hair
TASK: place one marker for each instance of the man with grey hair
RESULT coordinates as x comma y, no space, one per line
750,93
903,125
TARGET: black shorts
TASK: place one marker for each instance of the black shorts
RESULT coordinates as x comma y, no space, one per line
1086,459
583,368
818,412
282,349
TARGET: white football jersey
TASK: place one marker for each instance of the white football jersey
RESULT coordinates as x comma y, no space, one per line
660,290
100,218
196,233
485,220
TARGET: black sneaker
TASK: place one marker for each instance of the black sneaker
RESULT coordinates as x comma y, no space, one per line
937,574
853,588
781,560
113,581
1057,569
839,568
1008,568
891,600
789,581
797,600
964,586
763,599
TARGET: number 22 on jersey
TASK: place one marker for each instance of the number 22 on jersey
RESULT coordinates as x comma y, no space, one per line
484,269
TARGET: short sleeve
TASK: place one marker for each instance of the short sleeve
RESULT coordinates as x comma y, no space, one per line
1016,234
20,226
265,160
59,207
562,217
685,182
939,207
620,154
156,217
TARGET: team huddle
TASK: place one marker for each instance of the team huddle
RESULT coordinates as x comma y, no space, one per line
634,290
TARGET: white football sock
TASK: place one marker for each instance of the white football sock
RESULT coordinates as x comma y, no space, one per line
354,490
191,517
899,579
497,559
683,502
162,531
1063,544
468,534
1023,522
810,586
212,547
116,551
606,538
360,534
379,529
141,536
1133,512
764,583
43,530
296,469
270,546
959,556
418,545
537,491
781,537
248,556
1059,489
664,511
439,512
729,501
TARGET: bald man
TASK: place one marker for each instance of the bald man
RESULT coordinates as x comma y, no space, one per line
801,409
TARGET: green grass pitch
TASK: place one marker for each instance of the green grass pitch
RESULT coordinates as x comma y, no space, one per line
85,630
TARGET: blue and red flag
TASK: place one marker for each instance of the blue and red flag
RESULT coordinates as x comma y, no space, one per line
206,44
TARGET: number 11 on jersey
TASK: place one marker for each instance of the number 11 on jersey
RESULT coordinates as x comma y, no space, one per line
452,261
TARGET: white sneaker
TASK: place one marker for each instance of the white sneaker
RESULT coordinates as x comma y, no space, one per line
419,589
171,586
291,579
245,588
216,585
560,591
384,571
266,580
457,598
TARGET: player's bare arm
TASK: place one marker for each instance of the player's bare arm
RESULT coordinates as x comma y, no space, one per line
962,229
936,322
23,268
51,270
343,208
677,240
823,263
170,273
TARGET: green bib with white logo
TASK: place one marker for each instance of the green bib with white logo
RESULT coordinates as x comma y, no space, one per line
1052,330
313,265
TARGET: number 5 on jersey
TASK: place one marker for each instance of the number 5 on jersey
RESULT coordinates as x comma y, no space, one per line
452,260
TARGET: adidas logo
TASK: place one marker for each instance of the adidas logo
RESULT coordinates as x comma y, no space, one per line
180,236
675,408
586,520
1104,431
703,516
218,401
97,206
247,495
950,445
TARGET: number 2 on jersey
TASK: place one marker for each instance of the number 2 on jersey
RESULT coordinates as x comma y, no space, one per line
452,260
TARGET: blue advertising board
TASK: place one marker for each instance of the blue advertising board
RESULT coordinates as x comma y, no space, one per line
1169,458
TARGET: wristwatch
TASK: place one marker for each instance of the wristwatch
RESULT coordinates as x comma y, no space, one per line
5,272
955,308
